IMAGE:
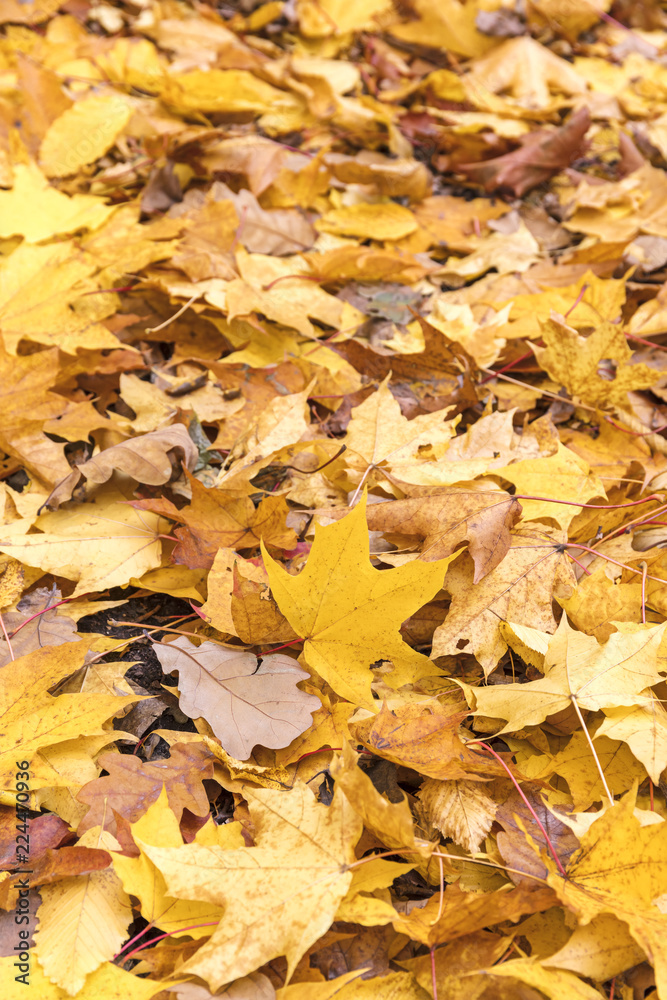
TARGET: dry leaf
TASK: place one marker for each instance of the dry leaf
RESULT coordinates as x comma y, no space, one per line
246,700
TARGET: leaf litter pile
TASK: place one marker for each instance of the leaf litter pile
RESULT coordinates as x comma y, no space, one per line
333,563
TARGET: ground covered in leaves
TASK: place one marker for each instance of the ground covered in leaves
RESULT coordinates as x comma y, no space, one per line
333,579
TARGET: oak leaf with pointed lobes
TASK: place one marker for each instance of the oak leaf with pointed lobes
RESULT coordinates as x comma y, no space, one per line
159,827
482,514
83,920
218,518
349,613
621,868
280,895
247,701
576,362
99,544
424,736
562,476
519,590
131,785
577,668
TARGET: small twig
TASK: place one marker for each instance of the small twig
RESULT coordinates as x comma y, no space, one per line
4,631
644,568
552,849
154,329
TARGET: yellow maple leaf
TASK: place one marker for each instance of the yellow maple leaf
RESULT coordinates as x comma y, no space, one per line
83,920
577,668
349,613
280,895
574,361
32,718
99,544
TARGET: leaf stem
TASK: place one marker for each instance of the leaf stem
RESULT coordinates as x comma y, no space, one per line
489,749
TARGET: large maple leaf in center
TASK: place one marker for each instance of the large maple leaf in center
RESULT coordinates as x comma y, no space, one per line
350,613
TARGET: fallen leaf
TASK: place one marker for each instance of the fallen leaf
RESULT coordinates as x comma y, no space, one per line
246,700
285,889
344,608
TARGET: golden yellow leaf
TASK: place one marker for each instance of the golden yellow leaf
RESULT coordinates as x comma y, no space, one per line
644,728
32,718
577,668
598,950
563,476
224,90
391,822
159,828
575,362
83,921
108,981
40,290
100,545
82,134
349,613
518,590
620,869
35,210
554,983
374,221
280,895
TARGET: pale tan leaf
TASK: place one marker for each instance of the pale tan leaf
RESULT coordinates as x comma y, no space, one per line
247,701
